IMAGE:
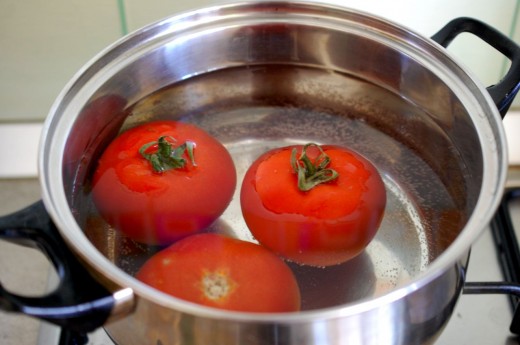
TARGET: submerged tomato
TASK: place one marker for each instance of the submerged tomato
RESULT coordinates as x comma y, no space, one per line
221,272
328,224
157,206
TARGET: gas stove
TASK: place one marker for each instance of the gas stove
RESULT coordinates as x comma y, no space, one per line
485,312
477,318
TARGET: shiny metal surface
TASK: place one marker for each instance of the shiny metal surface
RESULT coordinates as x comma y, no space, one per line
354,80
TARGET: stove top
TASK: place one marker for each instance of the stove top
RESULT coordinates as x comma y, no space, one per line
477,319
495,257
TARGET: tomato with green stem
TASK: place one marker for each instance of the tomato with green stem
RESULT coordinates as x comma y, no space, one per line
314,205
163,180
225,273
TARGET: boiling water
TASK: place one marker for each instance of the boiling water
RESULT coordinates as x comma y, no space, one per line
418,203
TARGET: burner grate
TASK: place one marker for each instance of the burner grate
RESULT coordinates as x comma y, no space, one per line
68,337
508,251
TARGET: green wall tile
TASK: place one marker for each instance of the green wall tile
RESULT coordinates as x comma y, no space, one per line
43,44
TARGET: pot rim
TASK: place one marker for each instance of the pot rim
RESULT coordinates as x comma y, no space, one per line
487,121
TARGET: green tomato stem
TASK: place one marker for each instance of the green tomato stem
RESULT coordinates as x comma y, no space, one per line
312,173
165,156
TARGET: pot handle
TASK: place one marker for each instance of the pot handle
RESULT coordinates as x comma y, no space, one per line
79,303
505,91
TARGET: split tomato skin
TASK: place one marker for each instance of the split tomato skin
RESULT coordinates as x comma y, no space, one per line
160,208
327,225
225,273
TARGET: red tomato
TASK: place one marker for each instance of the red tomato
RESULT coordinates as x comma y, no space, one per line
326,225
222,272
157,207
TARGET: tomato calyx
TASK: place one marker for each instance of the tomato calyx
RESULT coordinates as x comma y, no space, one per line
217,286
312,173
163,156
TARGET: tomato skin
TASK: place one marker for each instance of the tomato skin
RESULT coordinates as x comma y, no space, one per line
328,225
159,208
256,279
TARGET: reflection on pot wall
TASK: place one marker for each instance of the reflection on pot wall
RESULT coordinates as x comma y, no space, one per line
40,56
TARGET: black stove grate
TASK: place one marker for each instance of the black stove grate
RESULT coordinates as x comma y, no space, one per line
508,251
506,240
68,337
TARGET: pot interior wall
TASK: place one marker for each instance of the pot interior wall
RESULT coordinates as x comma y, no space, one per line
263,86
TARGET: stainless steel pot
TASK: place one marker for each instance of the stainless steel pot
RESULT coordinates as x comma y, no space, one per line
259,75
